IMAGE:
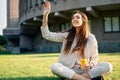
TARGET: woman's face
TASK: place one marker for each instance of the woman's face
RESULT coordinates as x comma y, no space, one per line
77,20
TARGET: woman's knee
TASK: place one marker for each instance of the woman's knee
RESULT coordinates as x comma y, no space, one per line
55,68
107,66
62,71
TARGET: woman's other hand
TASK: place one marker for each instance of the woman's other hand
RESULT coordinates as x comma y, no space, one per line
87,67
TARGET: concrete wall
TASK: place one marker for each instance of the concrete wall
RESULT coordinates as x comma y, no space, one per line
97,28
26,43
107,42
12,31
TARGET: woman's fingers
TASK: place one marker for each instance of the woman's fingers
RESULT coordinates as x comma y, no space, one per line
47,4
47,8
87,66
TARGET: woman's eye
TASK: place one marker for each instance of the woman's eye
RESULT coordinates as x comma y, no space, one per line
77,17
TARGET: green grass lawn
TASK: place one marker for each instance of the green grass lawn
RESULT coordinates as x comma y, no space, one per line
37,66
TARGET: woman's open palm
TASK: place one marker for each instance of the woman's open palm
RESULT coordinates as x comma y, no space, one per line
47,8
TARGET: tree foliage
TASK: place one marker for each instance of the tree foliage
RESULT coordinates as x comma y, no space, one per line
3,40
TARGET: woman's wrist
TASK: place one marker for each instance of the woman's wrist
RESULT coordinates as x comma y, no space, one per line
45,15
91,65
44,20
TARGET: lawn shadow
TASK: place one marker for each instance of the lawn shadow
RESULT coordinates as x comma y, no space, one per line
32,78
35,55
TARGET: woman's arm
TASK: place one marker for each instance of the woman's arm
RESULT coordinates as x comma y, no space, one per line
46,11
53,36
94,52
93,48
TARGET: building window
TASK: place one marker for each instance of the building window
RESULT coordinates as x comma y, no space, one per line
116,23
65,26
52,28
26,5
111,24
36,3
30,2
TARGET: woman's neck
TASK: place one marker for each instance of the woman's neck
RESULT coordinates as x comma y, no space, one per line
77,30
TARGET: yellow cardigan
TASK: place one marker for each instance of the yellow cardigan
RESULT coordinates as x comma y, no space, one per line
91,49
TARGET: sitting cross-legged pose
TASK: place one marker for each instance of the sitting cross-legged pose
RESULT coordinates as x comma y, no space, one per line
77,44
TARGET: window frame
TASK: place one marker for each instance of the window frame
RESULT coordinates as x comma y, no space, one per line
112,31
65,26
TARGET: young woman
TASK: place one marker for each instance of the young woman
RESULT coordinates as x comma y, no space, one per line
78,43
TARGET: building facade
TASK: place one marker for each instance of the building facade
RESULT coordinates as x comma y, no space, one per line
12,32
104,20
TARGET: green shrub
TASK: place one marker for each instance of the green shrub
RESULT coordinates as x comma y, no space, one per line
3,42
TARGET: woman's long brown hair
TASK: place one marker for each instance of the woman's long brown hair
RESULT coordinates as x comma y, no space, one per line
81,37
